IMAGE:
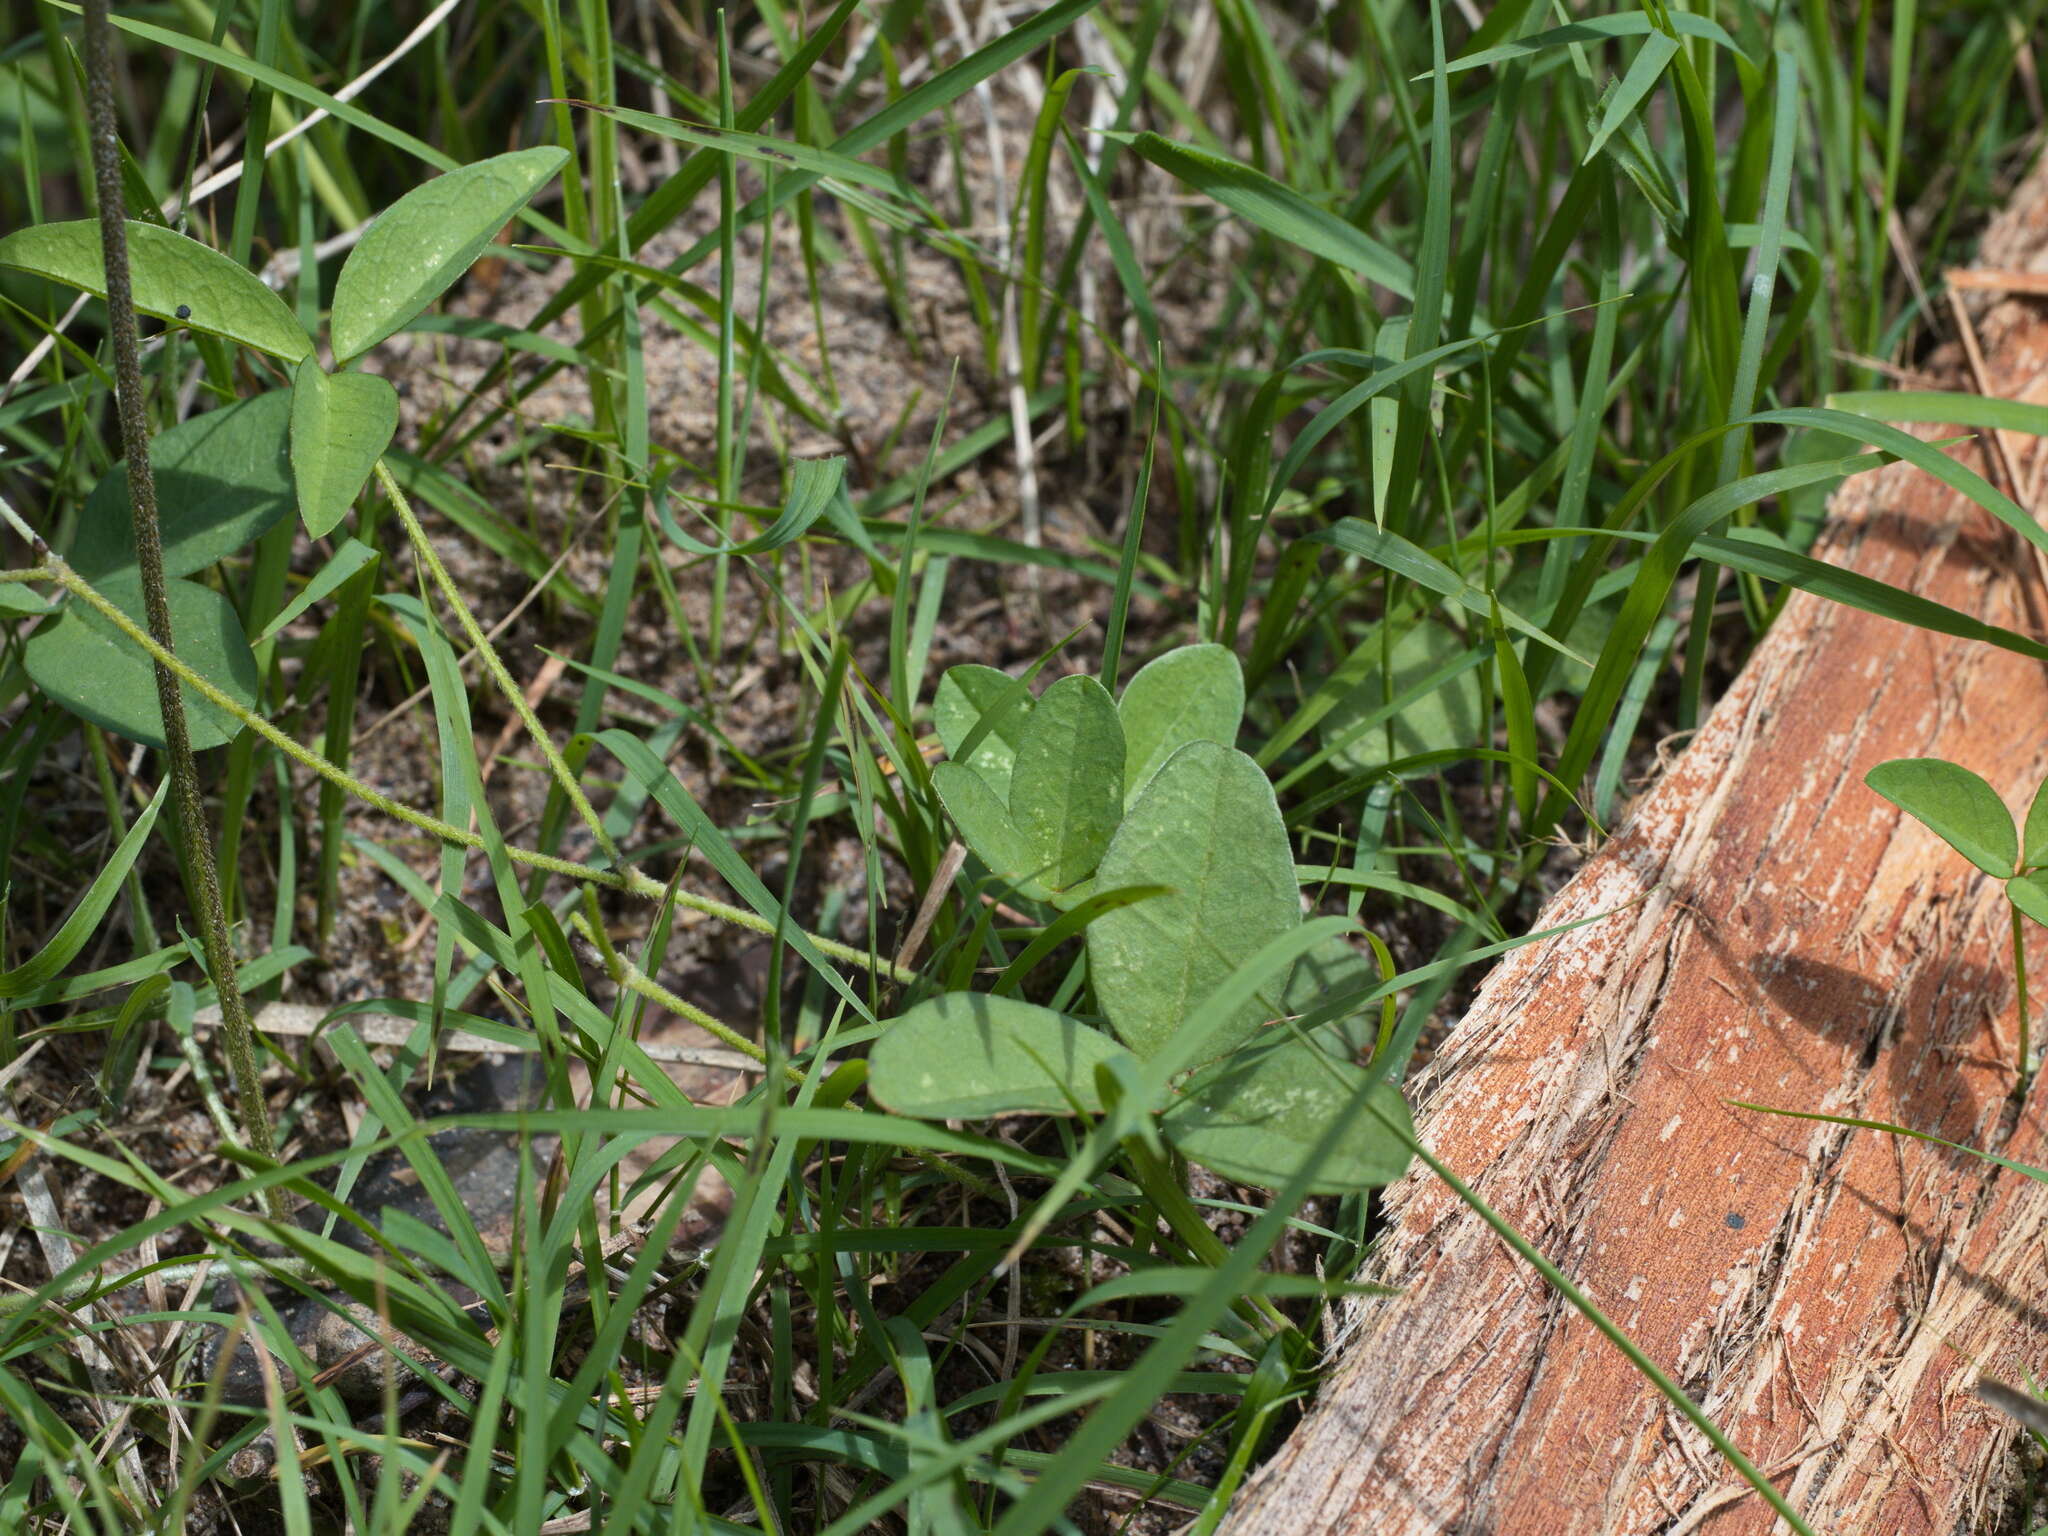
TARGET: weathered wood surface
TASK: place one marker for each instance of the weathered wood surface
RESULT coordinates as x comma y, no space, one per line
1828,1295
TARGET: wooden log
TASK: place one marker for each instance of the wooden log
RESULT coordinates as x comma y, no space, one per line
1779,934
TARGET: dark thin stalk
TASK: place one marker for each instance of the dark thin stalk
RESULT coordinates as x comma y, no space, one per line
2019,971
202,883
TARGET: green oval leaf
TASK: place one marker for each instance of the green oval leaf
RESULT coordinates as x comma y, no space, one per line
966,1056
427,239
1067,789
341,425
1208,826
83,663
1956,805
222,479
2036,840
965,695
2030,894
1447,715
984,824
1195,693
175,278
1255,1117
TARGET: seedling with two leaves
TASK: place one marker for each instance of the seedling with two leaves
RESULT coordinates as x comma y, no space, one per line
1965,812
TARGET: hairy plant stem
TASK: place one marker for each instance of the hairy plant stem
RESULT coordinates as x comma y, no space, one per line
201,879
97,1282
